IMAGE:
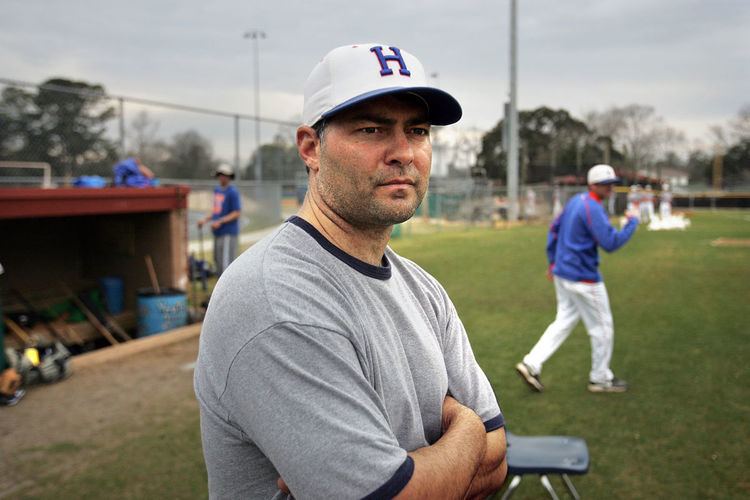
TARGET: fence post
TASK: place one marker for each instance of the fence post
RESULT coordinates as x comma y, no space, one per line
237,146
122,127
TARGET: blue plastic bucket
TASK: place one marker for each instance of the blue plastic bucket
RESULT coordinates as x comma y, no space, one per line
159,313
113,291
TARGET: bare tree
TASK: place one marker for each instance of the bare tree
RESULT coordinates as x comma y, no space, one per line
466,146
719,136
607,123
144,143
190,157
740,125
639,132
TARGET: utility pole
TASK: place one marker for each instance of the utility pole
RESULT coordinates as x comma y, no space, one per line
255,36
512,174
718,167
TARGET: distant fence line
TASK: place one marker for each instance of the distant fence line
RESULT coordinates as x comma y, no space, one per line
466,201
123,99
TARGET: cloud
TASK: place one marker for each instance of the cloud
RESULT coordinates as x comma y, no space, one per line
687,58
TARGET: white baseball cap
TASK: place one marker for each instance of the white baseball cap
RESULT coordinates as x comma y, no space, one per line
352,74
224,169
602,174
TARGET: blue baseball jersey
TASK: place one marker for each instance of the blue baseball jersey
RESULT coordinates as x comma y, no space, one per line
226,201
577,232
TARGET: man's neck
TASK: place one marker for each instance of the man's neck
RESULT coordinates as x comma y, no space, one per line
367,245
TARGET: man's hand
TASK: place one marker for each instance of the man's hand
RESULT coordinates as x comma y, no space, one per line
447,468
633,214
493,469
10,381
281,485
451,409
550,268
216,224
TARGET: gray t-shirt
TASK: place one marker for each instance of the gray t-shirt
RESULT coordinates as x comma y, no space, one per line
322,369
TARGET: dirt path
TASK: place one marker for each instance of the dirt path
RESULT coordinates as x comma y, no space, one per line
99,404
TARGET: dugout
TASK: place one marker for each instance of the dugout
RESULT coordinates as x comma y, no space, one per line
76,236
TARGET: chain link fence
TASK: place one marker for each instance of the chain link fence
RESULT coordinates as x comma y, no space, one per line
64,129
479,200
79,129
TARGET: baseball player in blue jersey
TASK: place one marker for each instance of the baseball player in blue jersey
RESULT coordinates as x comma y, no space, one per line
224,219
572,251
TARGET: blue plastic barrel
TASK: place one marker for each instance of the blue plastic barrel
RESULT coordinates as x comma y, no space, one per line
113,291
159,313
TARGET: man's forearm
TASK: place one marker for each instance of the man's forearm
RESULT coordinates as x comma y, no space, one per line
493,468
231,216
447,468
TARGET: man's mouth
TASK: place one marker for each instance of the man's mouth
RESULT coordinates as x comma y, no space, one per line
398,181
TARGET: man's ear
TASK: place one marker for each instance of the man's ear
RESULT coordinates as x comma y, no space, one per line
308,146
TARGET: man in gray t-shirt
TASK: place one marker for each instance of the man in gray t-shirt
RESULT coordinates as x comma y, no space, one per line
329,366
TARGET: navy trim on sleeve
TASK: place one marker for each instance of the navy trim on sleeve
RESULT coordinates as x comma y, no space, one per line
494,423
378,272
396,483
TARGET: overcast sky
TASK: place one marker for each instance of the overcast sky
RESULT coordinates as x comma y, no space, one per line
689,59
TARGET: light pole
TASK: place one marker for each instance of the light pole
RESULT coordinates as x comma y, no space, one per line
512,173
256,35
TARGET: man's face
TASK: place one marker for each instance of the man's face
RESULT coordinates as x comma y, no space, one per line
374,163
603,191
224,180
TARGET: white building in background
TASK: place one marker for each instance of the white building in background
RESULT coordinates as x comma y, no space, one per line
455,146
675,177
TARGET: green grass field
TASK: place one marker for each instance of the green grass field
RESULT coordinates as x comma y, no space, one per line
681,308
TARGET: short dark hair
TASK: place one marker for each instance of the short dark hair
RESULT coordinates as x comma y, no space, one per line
320,129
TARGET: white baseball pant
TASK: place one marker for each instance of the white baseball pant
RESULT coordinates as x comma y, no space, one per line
665,209
578,300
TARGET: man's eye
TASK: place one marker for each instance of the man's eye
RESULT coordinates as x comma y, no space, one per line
369,130
420,131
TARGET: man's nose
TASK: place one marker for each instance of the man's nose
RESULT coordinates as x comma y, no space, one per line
400,151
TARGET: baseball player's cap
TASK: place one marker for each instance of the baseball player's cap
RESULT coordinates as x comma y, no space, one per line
224,169
352,74
602,174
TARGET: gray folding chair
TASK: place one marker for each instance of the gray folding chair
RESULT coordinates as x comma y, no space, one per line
544,456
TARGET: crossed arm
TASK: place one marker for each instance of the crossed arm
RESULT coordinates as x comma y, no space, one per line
466,462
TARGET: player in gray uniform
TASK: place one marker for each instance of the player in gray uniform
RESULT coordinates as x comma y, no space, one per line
329,366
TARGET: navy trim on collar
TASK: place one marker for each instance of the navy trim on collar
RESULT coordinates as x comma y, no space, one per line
378,272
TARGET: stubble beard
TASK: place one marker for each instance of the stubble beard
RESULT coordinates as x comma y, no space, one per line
354,200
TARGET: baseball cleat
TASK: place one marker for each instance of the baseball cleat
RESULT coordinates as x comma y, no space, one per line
12,399
614,385
531,380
